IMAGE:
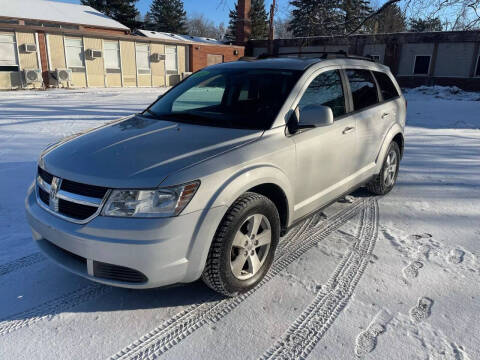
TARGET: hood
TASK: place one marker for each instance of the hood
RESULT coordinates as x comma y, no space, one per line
139,152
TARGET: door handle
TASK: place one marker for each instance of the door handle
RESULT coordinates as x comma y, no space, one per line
384,115
348,129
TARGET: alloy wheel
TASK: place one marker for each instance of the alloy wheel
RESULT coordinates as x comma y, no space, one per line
250,246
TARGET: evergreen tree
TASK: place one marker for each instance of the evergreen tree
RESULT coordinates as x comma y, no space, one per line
231,33
315,18
391,20
169,16
422,25
123,11
354,13
258,18
148,23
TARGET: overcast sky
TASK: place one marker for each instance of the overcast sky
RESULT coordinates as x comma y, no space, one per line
215,10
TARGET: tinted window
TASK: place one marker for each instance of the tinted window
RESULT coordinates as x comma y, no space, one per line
477,73
326,89
422,63
364,89
387,88
227,97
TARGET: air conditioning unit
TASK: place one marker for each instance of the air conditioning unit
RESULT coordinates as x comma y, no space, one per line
93,54
28,48
186,74
31,76
156,57
63,75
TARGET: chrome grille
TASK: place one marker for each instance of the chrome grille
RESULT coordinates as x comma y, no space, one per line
68,199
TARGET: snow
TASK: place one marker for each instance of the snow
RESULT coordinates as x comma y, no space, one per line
178,37
58,12
394,277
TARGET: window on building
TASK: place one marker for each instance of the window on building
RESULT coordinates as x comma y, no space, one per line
388,90
8,53
477,71
364,89
326,89
171,58
375,57
111,54
422,64
143,57
74,52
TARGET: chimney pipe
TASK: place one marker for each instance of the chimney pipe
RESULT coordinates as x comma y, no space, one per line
244,25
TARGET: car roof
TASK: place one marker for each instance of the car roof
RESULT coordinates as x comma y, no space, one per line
302,64
271,63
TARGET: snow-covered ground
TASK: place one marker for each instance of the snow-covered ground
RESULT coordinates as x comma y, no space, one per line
396,277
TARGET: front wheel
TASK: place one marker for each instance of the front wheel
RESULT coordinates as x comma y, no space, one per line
244,245
384,182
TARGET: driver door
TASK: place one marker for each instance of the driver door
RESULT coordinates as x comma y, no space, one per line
324,155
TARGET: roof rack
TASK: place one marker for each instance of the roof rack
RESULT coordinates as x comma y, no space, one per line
324,55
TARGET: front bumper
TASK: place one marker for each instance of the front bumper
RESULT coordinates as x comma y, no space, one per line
165,250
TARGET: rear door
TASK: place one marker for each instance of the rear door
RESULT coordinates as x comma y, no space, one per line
323,154
365,101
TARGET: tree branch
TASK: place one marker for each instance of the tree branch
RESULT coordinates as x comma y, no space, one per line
372,15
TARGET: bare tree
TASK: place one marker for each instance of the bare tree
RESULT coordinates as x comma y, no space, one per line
199,25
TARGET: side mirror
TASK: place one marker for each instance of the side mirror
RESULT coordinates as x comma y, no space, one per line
315,116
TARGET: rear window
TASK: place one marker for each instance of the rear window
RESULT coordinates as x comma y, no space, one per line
364,89
388,90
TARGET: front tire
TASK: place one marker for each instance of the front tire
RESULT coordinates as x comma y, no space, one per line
384,182
244,245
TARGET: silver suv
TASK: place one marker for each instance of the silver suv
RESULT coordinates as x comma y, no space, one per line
204,182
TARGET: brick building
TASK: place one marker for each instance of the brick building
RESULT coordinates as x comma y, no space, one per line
53,44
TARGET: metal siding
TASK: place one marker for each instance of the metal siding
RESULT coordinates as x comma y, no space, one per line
78,79
27,60
129,69
145,80
408,53
158,68
375,49
56,51
181,59
95,68
10,80
114,80
454,59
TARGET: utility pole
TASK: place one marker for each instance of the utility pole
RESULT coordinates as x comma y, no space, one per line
270,33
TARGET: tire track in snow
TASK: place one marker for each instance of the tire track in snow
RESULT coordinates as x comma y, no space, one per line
21,263
307,330
173,331
50,308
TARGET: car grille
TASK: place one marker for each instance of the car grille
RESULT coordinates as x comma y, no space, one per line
69,199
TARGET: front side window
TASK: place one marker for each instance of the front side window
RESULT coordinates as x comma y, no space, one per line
363,87
326,89
226,97
388,90
477,71
111,54
143,56
74,52
422,65
171,58
8,53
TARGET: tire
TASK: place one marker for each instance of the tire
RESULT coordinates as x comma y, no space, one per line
224,271
379,185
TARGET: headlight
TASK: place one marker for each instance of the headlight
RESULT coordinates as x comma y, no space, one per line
161,202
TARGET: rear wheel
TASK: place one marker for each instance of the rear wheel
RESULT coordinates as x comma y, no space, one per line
384,182
244,245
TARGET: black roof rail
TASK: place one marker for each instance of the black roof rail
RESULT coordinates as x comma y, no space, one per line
323,55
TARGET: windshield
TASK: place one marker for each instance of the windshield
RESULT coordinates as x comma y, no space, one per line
237,98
